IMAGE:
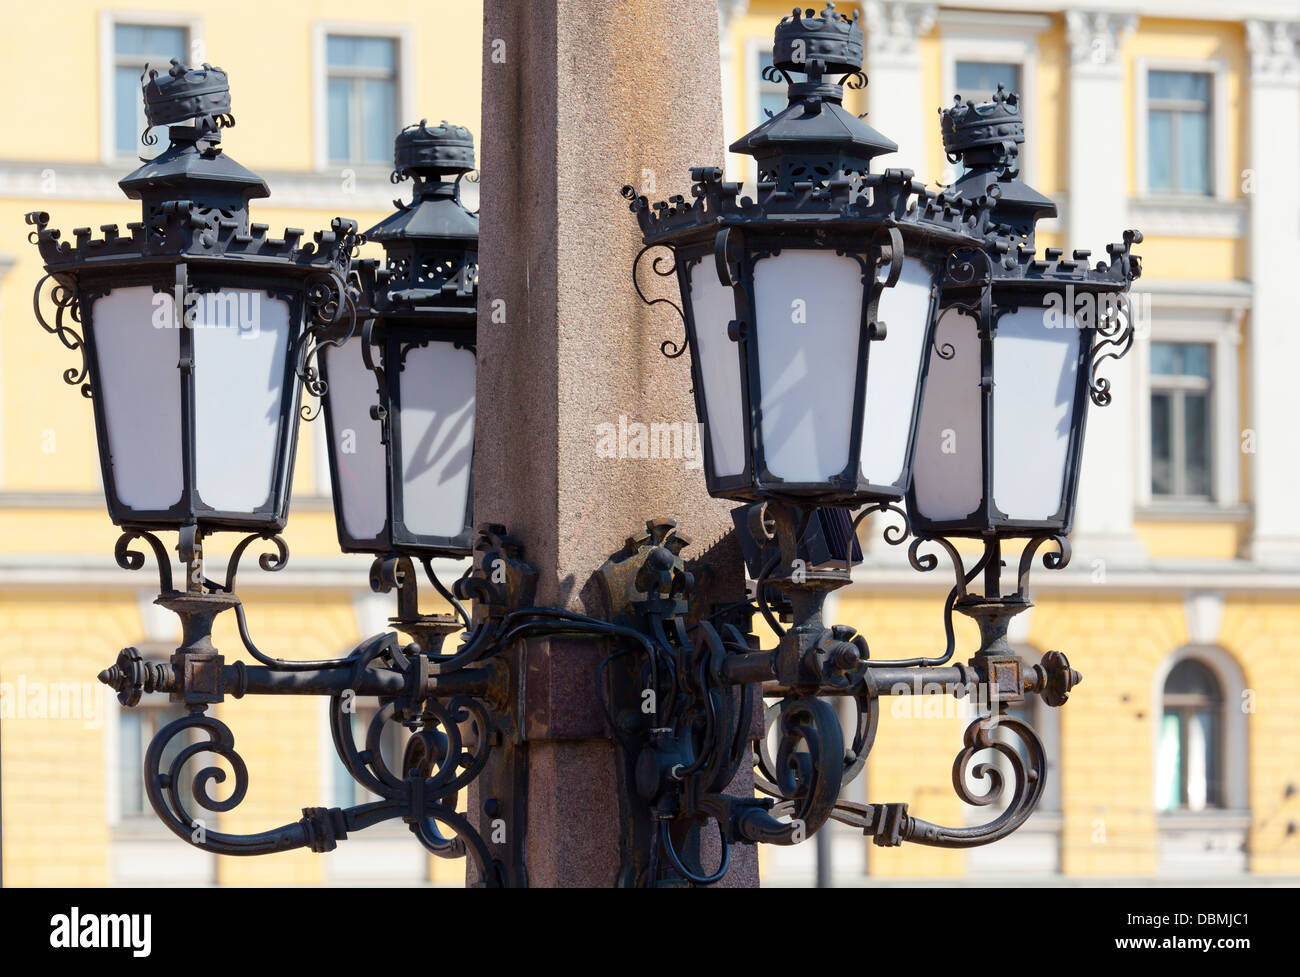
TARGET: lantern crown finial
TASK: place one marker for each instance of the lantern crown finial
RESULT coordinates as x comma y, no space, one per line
822,43
186,93
969,125
432,151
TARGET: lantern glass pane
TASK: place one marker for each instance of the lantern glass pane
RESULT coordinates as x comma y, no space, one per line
355,443
713,306
948,469
241,338
1035,368
437,436
893,374
137,349
808,307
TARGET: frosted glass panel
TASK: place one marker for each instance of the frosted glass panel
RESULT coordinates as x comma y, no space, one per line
713,306
808,306
1034,368
437,418
137,351
240,340
893,372
357,449
948,471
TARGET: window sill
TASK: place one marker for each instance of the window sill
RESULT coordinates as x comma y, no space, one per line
1191,511
1189,215
1215,819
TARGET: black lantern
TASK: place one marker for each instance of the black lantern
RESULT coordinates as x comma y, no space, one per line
401,455
1013,364
199,327
802,392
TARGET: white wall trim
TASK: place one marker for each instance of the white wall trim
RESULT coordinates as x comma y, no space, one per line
108,19
1220,177
406,69
1190,216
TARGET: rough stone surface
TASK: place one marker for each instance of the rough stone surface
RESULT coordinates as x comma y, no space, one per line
580,98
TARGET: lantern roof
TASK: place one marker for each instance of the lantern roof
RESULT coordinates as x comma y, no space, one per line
823,137
431,243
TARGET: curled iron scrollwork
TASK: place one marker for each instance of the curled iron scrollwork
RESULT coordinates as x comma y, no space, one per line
668,347
66,305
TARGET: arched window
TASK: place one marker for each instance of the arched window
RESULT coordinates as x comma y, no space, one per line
1189,774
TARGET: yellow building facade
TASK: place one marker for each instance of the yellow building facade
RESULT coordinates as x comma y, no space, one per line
1182,604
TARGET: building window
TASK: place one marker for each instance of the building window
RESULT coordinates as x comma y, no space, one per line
1178,132
1190,760
977,81
361,93
392,744
134,46
1181,389
772,97
136,730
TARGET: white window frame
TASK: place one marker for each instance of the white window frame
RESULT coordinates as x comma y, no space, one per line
1220,329
110,19
966,35
1236,757
1220,178
322,29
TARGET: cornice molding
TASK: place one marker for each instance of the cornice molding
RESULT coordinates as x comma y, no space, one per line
97,182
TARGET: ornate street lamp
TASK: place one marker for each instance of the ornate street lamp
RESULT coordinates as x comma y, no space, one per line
199,327
803,393
1013,364
797,414
400,462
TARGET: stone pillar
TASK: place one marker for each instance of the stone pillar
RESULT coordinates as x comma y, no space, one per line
1274,341
579,98
1098,215
896,105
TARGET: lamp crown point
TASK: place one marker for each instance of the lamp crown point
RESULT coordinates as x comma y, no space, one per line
186,93
830,39
969,124
440,150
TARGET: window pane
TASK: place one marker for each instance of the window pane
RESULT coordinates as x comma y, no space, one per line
771,102
979,79
340,131
1204,751
378,120
130,759
1161,444
127,107
1190,677
1164,359
1195,360
1181,85
1160,151
150,41
1169,776
342,51
1196,433
1194,152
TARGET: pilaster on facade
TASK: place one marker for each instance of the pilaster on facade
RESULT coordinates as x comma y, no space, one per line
1107,494
1274,344
896,94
